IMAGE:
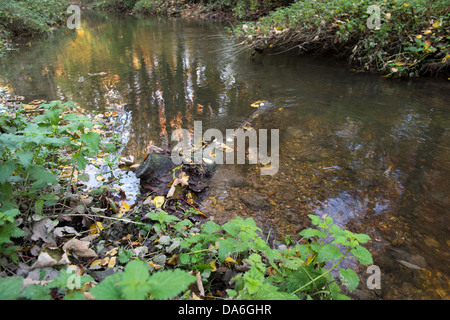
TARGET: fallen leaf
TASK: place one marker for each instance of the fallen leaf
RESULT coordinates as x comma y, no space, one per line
159,201
256,104
79,248
123,208
112,252
96,227
437,23
112,262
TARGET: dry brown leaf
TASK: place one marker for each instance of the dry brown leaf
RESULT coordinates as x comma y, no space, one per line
79,248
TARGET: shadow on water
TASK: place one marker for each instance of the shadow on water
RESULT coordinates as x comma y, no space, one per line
370,152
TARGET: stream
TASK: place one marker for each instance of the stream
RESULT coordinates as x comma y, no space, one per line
370,152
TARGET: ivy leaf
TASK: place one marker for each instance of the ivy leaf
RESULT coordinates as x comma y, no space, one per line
363,255
349,278
167,284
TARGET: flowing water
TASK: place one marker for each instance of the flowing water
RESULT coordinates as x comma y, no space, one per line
372,153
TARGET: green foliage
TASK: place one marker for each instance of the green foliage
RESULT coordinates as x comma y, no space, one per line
291,273
31,16
32,154
135,283
413,36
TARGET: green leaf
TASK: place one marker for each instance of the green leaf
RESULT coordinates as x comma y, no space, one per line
40,174
231,227
309,233
125,255
328,253
10,288
108,289
37,292
210,227
6,170
253,279
134,280
92,140
167,284
24,157
362,238
349,278
315,220
363,255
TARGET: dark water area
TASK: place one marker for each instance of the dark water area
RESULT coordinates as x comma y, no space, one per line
373,153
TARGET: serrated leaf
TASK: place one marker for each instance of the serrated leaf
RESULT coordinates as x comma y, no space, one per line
6,170
309,233
328,253
349,278
232,228
10,288
167,284
134,283
362,238
210,227
363,255
92,140
37,292
315,220
108,289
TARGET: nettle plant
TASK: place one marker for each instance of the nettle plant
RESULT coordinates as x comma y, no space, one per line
296,272
33,154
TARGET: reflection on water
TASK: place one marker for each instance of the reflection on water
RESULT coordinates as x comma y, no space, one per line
370,152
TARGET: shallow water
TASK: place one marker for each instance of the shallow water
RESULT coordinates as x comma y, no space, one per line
373,153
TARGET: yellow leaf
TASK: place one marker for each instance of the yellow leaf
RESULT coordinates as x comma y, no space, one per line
95,263
112,252
256,104
213,266
437,23
123,208
104,261
189,198
229,260
154,265
195,297
447,57
159,201
419,36
174,260
112,262
405,5
100,178
96,227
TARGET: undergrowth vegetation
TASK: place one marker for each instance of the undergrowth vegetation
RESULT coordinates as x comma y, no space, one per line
41,159
241,9
28,17
400,38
